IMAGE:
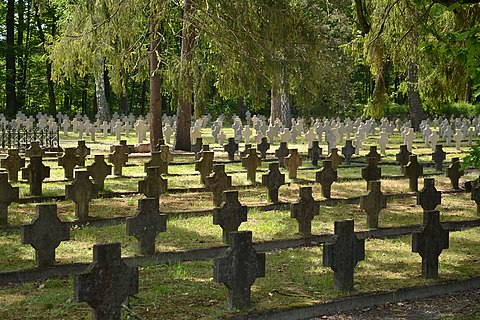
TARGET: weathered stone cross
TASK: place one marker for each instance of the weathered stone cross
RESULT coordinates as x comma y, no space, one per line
263,147
413,170
81,191
251,162
429,197
454,172
154,185
69,161
205,165
403,157
348,151
292,162
35,173
218,182
238,269
438,157
13,163
326,177
99,170
304,210
281,153
273,180
315,152
118,158
372,203
8,195
231,148
230,214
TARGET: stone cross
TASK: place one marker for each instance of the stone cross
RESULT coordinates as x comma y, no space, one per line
371,172
81,191
438,157
204,165
166,158
13,163
117,129
286,135
8,195
230,214
429,197
82,152
231,148
45,233
197,147
304,210
413,170
118,158
273,180
167,132
475,194
105,127
218,182
238,269
454,172
343,253
315,152
247,132
34,150
458,137
107,282
292,162
372,203
146,225
402,157
373,154
348,151
335,158
310,136
35,173
263,147
69,161
99,170
383,141
245,151
281,153
433,140
251,162
154,185
326,176
429,242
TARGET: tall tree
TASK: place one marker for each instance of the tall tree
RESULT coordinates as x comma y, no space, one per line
10,77
155,79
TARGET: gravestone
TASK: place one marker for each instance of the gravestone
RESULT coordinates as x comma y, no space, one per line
413,170
245,151
199,154
238,268
314,153
197,147
371,172
34,150
373,154
82,152
335,158
35,173
292,162
263,147
69,161
8,195
429,242
251,162
348,151
146,225
326,177
343,253
118,158
204,165
372,203
438,157
81,191
273,180
304,210
230,214
45,233
429,197
475,194
454,172
13,163
281,153
154,185
402,157
99,170
107,282
166,158
218,182
231,148
155,160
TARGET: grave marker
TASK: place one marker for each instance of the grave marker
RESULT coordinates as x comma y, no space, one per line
251,162
82,152
35,173
292,162
475,194
315,152
429,242
99,170
118,158
263,147
81,191
8,195
326,177
45,233
343,253
429,197
146,225
438,157
218,182
34,150
230,214
413,170
204,165
335,158
231,148
402,157
273,180
371,172
373,154
107,282
454,172
154,185
348,151
197,147
372,203
69,161
304,210
13,163
281,153
238,268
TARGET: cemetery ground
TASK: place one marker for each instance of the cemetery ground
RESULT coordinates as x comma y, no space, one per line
294,277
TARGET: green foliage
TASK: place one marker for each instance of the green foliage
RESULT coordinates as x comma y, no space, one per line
395,110
458,109
473,157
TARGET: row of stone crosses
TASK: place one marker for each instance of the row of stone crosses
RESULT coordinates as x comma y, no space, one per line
334,130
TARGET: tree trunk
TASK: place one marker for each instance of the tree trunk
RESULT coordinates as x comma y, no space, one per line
124,95
21,50
155,85
281,107
185,99
10,76
103,114
415,103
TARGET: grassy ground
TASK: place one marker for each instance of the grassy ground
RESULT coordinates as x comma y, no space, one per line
294,278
